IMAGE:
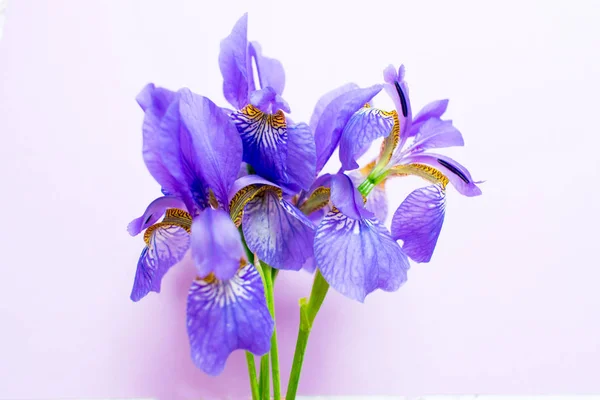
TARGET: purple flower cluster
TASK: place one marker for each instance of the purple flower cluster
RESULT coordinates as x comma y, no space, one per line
249,178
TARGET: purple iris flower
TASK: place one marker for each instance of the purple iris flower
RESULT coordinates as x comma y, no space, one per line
194,149
275,147
354,251
278,150
407,151
194,152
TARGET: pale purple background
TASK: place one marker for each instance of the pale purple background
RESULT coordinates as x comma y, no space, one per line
509,304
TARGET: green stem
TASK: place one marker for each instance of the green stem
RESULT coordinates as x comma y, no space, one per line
308,313
252,375
264,378
374,179
267,270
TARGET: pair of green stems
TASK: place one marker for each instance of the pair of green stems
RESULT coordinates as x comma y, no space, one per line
261,388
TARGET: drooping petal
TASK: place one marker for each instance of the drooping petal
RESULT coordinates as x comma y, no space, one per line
435,133
223,316
166,246
366,125
357,257
301,156
376,200
234,62
458,175
277,231
347,198
265,139
216,244
397,89
334,117
153,212
269,70
418,222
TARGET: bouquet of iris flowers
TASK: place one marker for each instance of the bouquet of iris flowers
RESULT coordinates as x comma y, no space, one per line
242,190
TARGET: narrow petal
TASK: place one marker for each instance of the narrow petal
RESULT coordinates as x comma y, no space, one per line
333,119
397,89
153,212
418,222
301,156
216,244
435,133
435,109
357,257
214,151
265,139
269,70
166,246
233,62
223,316
347,198
277,231
366,125
458,175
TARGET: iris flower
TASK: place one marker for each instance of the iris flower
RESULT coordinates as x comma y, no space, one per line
354,251
194,150
278,150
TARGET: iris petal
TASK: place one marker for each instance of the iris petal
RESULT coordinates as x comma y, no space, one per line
223,316
277,231
166,246
458,175
366,125
376,200
435,109
435,133
265,139
216,244
155,102
347,198
301,156
269,70
327,98
153,212
418,222
333,117
215,149
268,101
357,257
397,89
234,62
